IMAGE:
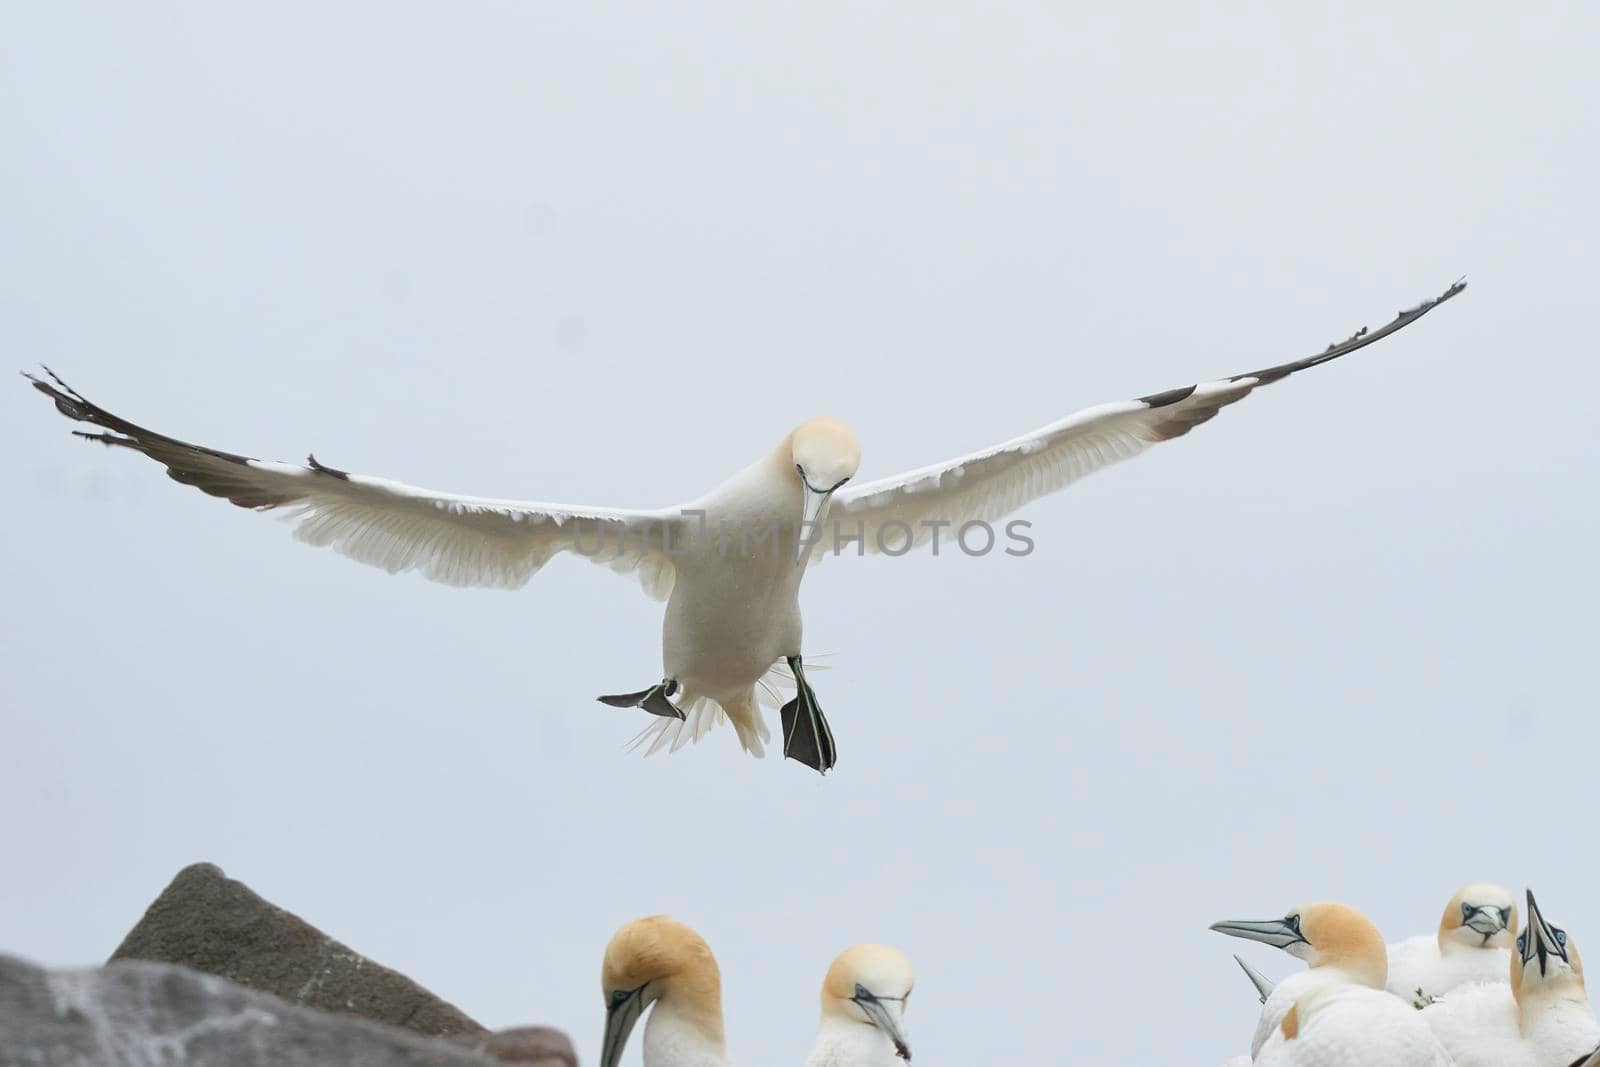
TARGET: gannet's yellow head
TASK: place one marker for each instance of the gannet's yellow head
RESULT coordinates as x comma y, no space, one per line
1481,915
825,456
1324,935
1545,962
653,959
871,984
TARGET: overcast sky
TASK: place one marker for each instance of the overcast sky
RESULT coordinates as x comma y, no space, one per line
1338,643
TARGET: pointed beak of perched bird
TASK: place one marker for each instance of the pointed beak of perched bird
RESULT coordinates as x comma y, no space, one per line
1541,939
885,1015
1264,985
1279,933
622,1014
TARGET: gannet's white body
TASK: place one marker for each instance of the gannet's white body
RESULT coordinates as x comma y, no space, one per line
1352,1026
1335,941
661,962
864,999
1472,944
729,564
1540,1018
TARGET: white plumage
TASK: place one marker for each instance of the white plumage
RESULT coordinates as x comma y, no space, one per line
1472,944
864,1000
1417,964
1540,1018
1353,1026
732,591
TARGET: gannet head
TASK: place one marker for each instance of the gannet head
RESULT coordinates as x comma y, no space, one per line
1481,915
871,984
653,959
1545,961
825,455
1324,935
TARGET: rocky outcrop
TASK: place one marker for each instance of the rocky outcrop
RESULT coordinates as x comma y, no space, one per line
208,922
215,976
528,1046
137,1014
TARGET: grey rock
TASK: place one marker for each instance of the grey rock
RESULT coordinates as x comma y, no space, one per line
208,922
529,1046
138,1014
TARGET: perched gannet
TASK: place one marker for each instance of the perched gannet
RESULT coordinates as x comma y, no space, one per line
1541,1019
729,563
1339,945
660,961
1344,1025
864,1000
1473,944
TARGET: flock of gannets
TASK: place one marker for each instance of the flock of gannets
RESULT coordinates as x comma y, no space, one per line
660,961
1477,993
729,563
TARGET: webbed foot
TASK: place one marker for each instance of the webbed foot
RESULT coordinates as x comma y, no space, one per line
806,736
654,700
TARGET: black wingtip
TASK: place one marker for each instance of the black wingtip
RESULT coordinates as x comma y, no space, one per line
323,468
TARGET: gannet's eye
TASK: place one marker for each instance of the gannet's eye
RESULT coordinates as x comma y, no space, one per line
619,998
1293,923
1505,916
1466,911
1561,938
1522,942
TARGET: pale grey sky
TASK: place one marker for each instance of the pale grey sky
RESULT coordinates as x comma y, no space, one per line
1337,643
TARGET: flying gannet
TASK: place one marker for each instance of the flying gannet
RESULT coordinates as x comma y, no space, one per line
729,564
1339,945
1473,944
1541,1019
864,999
661,961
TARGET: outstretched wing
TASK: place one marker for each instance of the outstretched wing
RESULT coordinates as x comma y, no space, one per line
458,540
988,485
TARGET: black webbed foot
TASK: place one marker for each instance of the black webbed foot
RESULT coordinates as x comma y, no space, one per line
654,700
806,736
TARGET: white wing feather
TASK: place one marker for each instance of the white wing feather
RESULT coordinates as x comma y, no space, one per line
989,485
457,540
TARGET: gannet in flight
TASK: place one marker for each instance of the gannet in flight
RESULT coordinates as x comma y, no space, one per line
864,1000
1339,945
661,961
729,563
1473,944
1541,1019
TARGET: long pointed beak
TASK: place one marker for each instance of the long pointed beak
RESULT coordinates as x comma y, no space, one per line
813,509
620,1021
1274,932
884,1018
1541,940
1264,986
